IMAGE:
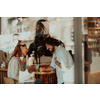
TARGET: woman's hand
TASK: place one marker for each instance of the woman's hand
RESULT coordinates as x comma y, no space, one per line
24,61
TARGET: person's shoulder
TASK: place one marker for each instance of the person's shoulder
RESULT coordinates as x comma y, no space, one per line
15,59
61,48
62,51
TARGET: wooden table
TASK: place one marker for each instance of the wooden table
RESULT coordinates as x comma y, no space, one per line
3,73
47,77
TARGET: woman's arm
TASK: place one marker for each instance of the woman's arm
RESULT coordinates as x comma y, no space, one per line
16,71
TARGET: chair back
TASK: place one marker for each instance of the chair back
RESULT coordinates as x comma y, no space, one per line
8,80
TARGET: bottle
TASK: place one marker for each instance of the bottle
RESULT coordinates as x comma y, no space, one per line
96,24
30,63
31,60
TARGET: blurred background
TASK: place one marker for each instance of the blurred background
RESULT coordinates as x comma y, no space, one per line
79,35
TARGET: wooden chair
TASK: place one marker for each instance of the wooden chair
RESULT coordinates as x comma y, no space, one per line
94,78
8,80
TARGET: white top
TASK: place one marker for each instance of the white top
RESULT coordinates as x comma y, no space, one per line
65,59
13,68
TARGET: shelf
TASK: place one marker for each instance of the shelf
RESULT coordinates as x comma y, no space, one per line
94,34
92,42
93,17
96,28
94,21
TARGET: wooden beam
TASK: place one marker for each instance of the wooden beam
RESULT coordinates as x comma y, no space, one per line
78,50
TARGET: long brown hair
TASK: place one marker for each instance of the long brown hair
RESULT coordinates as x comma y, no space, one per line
17,51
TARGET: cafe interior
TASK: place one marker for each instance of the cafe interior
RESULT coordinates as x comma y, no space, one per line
79,35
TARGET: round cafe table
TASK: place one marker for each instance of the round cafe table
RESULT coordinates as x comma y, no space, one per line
47,77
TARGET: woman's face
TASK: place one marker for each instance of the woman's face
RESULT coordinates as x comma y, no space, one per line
24,50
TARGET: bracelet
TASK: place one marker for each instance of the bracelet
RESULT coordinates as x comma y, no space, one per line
56,61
